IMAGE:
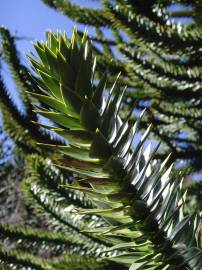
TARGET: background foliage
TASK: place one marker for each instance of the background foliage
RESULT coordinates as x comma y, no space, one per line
159,62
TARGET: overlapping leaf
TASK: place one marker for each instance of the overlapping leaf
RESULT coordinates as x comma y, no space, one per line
142,203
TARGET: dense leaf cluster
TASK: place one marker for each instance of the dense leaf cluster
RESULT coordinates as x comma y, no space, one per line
132,213
160,61
103,202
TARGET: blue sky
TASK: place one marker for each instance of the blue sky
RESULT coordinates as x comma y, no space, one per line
30,19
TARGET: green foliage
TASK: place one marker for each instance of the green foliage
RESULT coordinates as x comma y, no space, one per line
142,203
19,124
11,173
103,202
160,61
19,72
89,16
194,194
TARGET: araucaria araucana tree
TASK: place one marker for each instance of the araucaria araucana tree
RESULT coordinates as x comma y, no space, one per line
160,61
116,206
